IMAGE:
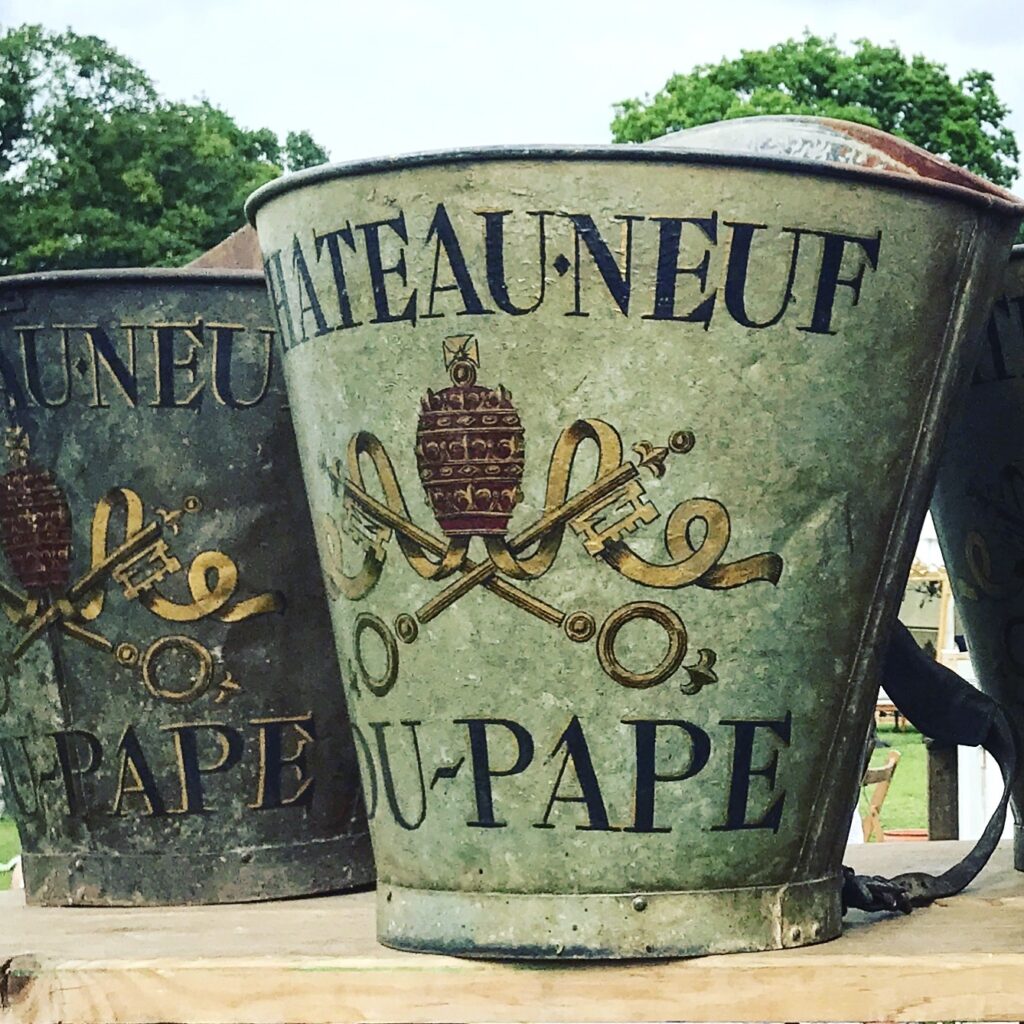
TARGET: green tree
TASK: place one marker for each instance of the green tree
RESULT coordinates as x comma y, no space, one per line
97,170
301,150
916,99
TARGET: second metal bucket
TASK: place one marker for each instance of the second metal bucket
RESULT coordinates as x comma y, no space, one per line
172,726
978,510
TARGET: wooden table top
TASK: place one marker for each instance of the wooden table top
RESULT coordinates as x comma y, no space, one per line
316,960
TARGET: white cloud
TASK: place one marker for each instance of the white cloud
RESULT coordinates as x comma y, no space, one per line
370,78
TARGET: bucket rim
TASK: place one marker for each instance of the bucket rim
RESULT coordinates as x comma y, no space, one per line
132,275
986,194
1017,252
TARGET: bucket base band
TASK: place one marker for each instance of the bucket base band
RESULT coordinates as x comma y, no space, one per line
1018,847
242,875
609,925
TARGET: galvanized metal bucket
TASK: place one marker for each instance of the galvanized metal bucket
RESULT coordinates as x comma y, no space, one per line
978,510
172,725
614,456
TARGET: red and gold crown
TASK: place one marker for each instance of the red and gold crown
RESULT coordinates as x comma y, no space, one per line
35,522
469,449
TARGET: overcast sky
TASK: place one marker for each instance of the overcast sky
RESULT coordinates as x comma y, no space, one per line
369,78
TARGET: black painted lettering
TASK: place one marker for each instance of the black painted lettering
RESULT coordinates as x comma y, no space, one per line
169,364
738,272
442,233
745,735
134,777
494,244
333,240
21,784
121,371
30,344
833,248
991,365
274,761
379,273
225,344
645,734
79,753
273,272
670,232
312,303
574,743
390,790
190,767
617,281
367,772
482,770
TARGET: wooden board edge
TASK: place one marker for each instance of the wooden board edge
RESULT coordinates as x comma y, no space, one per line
324,992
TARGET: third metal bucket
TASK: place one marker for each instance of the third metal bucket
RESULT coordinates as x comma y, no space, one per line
172,727
978,509
614,457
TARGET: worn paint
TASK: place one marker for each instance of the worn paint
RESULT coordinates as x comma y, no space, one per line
171,718
978,510
614,457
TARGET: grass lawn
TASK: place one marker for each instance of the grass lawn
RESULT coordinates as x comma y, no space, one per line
906,804
9,846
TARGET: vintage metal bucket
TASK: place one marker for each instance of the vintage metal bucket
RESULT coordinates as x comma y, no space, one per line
978,510
614,455
172,725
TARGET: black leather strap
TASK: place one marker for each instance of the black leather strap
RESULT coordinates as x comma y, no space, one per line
940,704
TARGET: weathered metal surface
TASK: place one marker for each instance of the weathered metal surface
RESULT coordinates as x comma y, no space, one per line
617,711
943,791
172,727
978,510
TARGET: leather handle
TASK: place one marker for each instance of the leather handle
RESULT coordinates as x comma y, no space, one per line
944,706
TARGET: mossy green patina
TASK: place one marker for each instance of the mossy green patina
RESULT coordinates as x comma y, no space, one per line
614,704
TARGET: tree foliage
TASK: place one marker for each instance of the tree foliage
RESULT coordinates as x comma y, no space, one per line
916,99
302,150
97,170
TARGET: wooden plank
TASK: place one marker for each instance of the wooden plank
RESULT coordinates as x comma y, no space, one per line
316,961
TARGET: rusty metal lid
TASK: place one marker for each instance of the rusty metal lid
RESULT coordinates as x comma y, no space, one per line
826,141
874,157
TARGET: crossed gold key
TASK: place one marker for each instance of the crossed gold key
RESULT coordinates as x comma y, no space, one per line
488,574
24,610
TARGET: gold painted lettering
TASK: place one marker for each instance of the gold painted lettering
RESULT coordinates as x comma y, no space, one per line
273,761
169,363
225,343
134,777
122,372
